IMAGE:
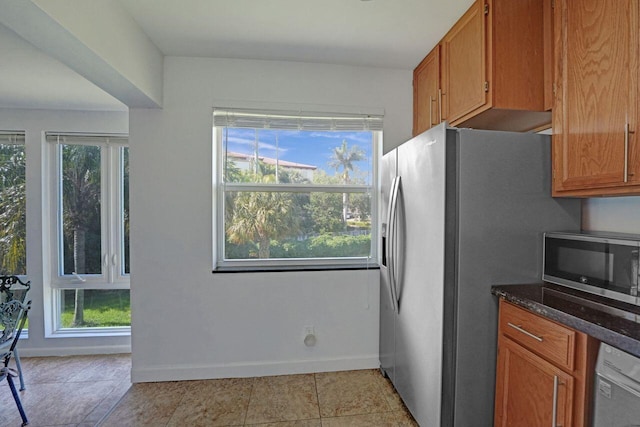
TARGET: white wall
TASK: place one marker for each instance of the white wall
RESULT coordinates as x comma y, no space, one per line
189,323
35,123
619,214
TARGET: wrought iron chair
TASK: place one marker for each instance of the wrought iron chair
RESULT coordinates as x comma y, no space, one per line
13,316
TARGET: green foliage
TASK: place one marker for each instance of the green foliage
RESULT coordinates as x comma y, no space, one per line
102,308
262,216
12,209
328,245
325,245
81,209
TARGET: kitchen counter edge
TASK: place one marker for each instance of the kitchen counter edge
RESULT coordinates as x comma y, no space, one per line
607,321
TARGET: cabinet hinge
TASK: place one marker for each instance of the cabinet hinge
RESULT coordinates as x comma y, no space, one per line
486,8
486,86
554,88
553,4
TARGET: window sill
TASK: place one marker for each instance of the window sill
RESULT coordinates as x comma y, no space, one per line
90,333
281,268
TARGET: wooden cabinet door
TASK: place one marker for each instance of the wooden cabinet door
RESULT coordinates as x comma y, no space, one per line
595,109
427,109
528,388
463,64
547,34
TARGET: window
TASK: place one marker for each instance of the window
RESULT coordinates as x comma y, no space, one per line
90,232
295,189
13,206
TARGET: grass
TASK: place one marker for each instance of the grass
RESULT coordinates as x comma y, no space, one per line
102,308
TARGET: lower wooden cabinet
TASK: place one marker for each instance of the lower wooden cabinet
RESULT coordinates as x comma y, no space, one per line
544,371
531,391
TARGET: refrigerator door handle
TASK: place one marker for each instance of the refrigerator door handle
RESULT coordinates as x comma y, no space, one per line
391,241
397,256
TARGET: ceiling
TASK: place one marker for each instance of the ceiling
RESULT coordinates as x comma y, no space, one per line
372,33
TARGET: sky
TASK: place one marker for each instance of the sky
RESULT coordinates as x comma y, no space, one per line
307,147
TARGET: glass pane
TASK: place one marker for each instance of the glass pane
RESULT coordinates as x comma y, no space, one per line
297,225
13,255
282,156
81,227
94,308
125,209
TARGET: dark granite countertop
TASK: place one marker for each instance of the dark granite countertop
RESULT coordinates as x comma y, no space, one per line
607,320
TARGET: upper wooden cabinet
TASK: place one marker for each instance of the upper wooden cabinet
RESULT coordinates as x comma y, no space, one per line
492,68
427,99
465,83
595,112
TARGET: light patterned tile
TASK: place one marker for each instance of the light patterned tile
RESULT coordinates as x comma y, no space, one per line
350,393
390,394
298,423
283,398
147,404
9,415
221,402
405,419
109,401
58,403
352,398
38,370
115,367
384,419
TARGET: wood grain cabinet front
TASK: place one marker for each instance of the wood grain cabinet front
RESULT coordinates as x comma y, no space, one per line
544,371
427,99
493,67
550,340
595,113
531,392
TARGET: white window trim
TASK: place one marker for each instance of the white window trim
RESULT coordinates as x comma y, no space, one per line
219,189
112,246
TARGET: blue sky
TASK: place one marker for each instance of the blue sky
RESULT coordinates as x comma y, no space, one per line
308,147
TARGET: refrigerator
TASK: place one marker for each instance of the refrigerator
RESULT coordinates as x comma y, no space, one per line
462,210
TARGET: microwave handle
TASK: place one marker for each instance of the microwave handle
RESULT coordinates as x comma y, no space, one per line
635,272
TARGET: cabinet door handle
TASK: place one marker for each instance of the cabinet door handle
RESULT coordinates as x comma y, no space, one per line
439,105
527,333
626,152
431,111
554,411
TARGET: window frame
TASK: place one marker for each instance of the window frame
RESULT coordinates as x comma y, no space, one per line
113,276
221,264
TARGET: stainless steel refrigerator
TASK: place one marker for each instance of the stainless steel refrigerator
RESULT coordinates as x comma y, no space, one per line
462,210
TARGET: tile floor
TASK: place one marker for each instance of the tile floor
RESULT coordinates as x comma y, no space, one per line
83,391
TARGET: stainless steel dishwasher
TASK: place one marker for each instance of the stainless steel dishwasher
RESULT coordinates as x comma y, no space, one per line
617,389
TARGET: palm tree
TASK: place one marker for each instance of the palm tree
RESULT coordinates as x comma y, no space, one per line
259,216
81,207
343,157
12,209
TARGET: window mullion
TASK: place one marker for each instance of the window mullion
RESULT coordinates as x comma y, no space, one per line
117,214
58,229
105,213
292,188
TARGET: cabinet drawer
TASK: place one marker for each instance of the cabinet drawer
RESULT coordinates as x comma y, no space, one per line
550,340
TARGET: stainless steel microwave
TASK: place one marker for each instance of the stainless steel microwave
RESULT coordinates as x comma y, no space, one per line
602,263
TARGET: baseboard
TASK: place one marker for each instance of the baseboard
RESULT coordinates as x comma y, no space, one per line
256,369
73,351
